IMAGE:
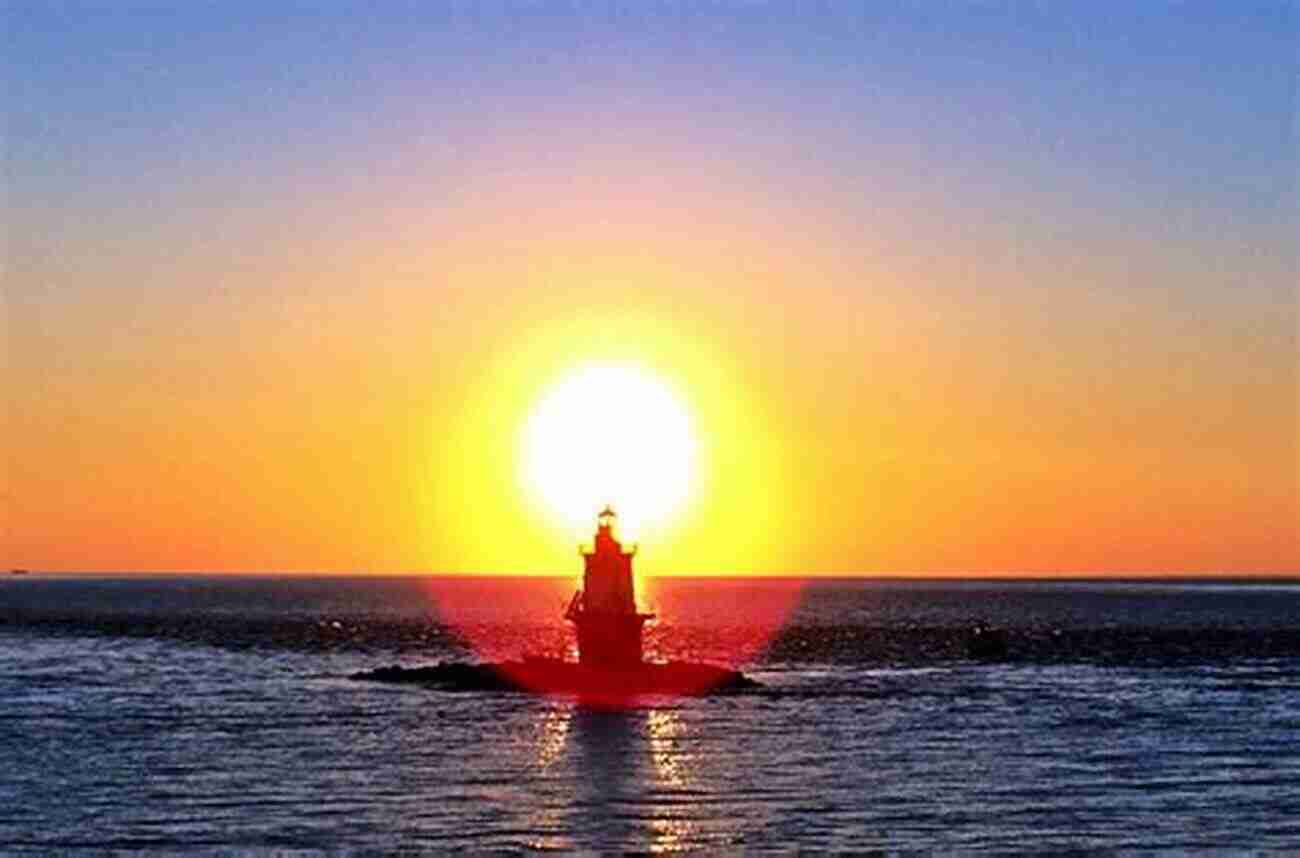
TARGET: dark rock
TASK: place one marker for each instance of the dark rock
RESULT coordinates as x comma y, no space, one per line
553,676
987,643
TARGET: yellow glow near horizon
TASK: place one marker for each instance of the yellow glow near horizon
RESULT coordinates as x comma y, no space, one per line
610,434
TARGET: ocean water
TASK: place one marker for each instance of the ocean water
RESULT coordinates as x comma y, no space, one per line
216,714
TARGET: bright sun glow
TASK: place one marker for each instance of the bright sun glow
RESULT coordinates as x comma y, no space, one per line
610,434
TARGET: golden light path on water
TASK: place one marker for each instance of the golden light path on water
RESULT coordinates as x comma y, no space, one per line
631,751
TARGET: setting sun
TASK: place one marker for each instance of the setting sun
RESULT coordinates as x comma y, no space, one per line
610,434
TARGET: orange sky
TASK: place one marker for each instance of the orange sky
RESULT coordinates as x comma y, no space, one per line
903,349
848,421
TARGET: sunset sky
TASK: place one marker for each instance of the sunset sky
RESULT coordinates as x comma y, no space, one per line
941,288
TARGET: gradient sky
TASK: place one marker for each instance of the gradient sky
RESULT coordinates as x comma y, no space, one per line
947,288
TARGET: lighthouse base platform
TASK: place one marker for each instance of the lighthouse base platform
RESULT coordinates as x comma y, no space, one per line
553,676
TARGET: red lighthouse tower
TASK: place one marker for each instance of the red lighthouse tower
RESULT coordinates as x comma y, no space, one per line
609,672
604,610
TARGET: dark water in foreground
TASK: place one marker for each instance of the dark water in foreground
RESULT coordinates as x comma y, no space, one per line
214,714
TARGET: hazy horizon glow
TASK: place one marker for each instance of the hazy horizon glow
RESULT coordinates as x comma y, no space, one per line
945,290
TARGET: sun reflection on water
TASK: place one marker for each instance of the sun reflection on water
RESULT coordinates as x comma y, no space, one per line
553,734
663,727
632,770
670,832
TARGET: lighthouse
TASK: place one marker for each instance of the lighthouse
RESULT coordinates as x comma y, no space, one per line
604,610
609,672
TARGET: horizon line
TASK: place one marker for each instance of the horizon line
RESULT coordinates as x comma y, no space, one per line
911,575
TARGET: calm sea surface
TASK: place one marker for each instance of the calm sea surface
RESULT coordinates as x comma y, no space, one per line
193,714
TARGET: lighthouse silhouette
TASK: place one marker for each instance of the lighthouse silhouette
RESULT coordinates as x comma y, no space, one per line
610,671
604,610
